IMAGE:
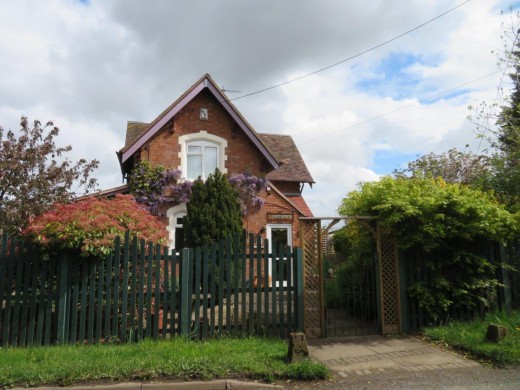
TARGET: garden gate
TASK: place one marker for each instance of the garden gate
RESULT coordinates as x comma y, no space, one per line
368,303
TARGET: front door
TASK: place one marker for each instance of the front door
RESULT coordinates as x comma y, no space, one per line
179,231
279,236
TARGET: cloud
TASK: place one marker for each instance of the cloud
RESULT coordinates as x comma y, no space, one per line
91,66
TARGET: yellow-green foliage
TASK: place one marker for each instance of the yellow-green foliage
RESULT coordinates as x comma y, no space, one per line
439,224
427,212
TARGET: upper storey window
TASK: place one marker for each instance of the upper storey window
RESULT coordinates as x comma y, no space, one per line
202,159
202,153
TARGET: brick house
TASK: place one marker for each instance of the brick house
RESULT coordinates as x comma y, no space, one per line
202,130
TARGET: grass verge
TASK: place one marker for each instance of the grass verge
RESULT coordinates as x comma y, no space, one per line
470,337
177,358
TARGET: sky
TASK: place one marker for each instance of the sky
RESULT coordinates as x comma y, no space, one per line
90,66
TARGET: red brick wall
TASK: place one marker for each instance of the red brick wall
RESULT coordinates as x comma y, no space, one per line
256,220
242,155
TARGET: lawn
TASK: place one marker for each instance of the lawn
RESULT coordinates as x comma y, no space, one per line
177,358
470,337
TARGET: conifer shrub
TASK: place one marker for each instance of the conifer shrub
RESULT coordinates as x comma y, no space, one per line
214,214
213,211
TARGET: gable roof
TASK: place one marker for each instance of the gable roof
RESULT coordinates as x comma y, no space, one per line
301,205
297,202
157,124
292,167
134,130
122,189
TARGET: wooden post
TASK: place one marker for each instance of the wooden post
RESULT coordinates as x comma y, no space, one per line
377,272
389,282
403,296
205,290
322,282
124,289
63,297
506,304
197,263
115,307
157,323
299,289
184,287
149,290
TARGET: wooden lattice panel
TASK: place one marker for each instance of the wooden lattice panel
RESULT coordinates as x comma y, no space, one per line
389,282
310,233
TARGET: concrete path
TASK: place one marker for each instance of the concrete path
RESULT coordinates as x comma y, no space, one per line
402,362
366,355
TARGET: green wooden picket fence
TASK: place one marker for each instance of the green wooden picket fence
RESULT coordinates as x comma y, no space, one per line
144,290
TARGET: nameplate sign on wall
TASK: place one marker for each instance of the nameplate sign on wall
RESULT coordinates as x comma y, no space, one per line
279,218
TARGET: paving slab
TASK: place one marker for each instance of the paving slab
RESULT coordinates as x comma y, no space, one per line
369,355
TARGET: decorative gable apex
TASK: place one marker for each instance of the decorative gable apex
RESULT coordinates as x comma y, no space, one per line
206,82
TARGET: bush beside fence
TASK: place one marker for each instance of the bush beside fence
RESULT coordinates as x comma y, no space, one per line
507,296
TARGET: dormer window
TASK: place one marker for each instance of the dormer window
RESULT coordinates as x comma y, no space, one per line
202,153
202,159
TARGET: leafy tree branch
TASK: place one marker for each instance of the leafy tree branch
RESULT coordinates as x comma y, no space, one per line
35,173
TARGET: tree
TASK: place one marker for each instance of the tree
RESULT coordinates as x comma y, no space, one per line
213,211
430,212
35,173
506,143
441,221
508,140
452,166
91,225
499,122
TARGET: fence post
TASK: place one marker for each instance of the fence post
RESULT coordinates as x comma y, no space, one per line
506,304
63,298
299,289
184,290
403,296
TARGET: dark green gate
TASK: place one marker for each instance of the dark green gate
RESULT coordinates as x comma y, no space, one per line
351,291
347,293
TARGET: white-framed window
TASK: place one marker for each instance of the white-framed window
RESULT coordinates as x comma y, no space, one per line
201,153
175,226
279,235
202,159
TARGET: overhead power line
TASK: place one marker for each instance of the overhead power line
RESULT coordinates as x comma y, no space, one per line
400,108
354,56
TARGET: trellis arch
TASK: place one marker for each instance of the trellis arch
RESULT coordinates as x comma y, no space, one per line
312,233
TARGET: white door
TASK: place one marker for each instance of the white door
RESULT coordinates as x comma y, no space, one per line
279,235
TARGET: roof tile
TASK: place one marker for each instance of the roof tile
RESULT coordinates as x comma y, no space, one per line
292,167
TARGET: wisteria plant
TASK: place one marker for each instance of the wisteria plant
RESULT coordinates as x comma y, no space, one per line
154,186
248,188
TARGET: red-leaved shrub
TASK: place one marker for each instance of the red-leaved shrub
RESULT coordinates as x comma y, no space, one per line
91,225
